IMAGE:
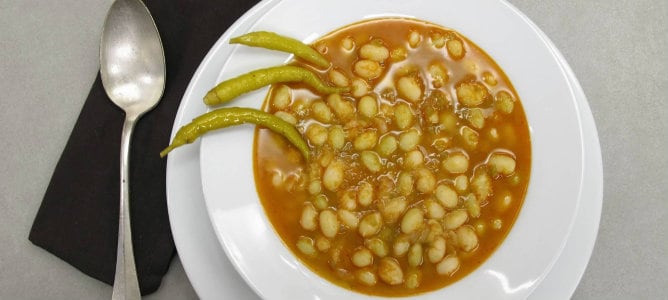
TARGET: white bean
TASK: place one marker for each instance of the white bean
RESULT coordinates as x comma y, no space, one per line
504,102
472,206
393,209
374,52
446,196
405,183
321,111
481,185
309,217
387,145
366,140
359,87
434,210
348,218
329,224
434,230
448,122
413,280
415,255
286,116
403,115
426,181
365,194
338,78
326,158
348,200
455,48
476,118
277,179
409,139
461,183
370,224
320,202
305,245
371,161
470,137
368,69
412,220
400,246
333,176
437,40
409,88
502,163
437,250
414,38
489,78
362,258
368,106
467,240
377,246
390,271
439,75
455,219
316,134
322,243
398,54
336,137
315,187
497,224
413,159
471,93
343,109
448,265
348,43
366,277
282,97
456,163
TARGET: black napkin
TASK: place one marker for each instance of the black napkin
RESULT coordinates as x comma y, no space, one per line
78,218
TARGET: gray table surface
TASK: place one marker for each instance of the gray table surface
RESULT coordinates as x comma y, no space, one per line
617,49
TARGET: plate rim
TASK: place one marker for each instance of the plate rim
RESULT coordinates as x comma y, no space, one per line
171,159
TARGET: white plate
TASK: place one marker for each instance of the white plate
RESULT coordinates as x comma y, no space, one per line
210,272
541,230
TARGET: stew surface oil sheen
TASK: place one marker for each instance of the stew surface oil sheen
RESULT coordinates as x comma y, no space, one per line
416,175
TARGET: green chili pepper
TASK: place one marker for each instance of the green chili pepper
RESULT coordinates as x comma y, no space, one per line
273,41
231,116
232,88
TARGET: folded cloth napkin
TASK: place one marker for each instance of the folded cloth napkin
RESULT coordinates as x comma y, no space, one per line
78,218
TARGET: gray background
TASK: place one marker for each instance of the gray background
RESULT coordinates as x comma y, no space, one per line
618,50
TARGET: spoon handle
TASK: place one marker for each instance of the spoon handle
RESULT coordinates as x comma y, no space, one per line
126,285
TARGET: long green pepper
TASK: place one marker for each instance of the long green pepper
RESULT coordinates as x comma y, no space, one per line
226,117
273,41
232,88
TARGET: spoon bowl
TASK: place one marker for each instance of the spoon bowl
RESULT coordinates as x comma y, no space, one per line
132,67
132,61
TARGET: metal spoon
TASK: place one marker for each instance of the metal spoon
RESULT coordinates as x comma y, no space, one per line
132,67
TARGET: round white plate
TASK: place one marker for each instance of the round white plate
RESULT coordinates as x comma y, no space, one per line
541,230
202,257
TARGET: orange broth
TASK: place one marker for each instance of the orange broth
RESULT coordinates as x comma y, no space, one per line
283,178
